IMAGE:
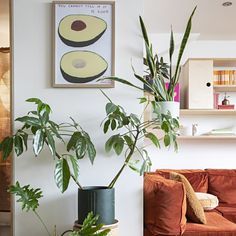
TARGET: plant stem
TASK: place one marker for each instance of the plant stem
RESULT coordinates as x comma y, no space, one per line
111,185
44,225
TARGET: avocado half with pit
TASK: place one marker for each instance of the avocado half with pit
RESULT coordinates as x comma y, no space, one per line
82,66
81,30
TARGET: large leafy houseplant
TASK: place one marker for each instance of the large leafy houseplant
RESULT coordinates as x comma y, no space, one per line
77,141
157,71
130,129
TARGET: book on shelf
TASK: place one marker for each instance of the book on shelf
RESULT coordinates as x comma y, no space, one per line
222,132
225,107
224,77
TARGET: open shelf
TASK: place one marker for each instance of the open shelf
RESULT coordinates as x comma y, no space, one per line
189,112
206,137
225,88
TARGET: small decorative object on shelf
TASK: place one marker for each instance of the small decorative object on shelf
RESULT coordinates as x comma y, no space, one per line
226,103
194,129
225,100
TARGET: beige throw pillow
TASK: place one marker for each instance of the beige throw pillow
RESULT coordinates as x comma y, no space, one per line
195,210
208,201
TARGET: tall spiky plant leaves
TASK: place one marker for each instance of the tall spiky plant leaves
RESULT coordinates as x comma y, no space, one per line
172,46
144,31
171,52
150,60
183,45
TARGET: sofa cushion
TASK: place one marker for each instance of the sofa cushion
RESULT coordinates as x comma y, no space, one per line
197,178
222,183
228,212
207,200
216,225
195,210
164,205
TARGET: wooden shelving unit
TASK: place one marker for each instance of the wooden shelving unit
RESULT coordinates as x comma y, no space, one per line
193,112
225,88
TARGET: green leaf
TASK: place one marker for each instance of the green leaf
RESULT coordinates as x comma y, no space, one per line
153,138
167,140
91,151
62,174
109,143
35,100
18,143
183,44
129,141
113,124
144,31
25,139
45,117
106,126
75,165
110,108
80,147
142,100
34,129
118,145
54,129
89,227
6,147
73,140
172,45
28,197
165,126
51,142
123,81
38,142
135,119
29,120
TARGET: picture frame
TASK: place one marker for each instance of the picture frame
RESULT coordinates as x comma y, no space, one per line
83,44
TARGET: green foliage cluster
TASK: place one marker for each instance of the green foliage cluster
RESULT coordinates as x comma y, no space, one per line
132,129
46,132
78,144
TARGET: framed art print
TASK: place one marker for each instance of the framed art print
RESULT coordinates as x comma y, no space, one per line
83,44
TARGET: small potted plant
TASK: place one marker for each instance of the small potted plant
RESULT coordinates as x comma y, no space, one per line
160,79
29,199
129,130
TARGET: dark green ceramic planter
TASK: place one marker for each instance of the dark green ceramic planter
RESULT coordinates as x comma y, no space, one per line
99,200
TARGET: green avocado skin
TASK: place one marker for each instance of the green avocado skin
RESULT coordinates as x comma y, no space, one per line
77,80
80,44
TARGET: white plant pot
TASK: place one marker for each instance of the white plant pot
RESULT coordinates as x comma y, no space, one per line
169,106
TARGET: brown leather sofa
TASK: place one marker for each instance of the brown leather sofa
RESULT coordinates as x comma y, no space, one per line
220,222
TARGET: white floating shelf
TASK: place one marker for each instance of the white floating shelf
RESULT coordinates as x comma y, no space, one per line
205,137
189,112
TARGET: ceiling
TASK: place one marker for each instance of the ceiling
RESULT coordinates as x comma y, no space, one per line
211,20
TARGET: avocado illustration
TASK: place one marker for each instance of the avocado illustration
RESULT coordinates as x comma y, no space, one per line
82,66
81,30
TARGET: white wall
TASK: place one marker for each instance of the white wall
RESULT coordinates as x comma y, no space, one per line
192,153
32,78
